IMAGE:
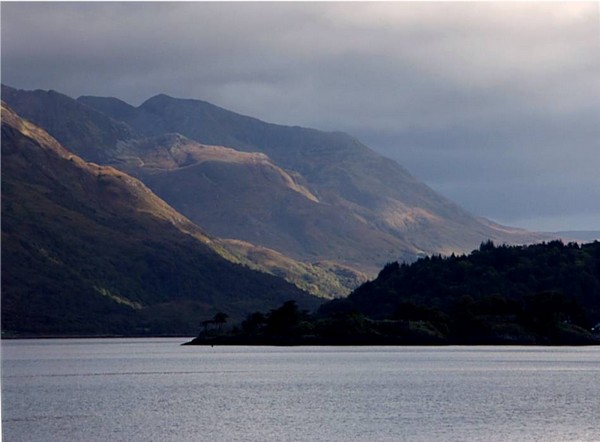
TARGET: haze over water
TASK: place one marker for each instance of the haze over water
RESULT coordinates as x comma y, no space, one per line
155,389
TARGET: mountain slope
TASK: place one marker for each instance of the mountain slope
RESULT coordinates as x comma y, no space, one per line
225,191
88,249
338,169
245,196
97,137
355,207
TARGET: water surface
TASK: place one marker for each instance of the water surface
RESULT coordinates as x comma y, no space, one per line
157,390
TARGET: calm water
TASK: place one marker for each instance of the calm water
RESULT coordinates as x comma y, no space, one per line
156,390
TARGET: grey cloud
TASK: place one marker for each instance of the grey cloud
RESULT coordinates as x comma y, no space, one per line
479,100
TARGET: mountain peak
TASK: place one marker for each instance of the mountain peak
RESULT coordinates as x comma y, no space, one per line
161,96
157,100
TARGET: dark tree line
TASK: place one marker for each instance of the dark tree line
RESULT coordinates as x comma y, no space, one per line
547,293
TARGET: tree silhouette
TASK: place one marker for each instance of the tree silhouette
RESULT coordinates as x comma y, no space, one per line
219,319
284,318
254,322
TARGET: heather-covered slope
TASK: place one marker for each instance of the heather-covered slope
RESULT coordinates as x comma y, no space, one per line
87,249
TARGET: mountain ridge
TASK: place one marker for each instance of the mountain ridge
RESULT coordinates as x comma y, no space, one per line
90,134
350,177
385,213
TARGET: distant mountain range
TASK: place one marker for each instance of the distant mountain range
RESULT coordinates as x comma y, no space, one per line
578,235
319,209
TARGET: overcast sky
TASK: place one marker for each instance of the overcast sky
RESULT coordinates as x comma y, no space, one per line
495,105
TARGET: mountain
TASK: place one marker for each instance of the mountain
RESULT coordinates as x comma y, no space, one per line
245,196
87,249
578,235
149,159
310,195
81,129
367,189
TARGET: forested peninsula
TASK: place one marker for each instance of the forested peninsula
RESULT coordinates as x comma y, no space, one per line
543,294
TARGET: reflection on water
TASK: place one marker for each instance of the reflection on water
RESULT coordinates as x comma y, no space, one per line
155,390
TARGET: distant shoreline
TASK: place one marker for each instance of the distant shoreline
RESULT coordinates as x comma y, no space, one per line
31,337
318,342
304,342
